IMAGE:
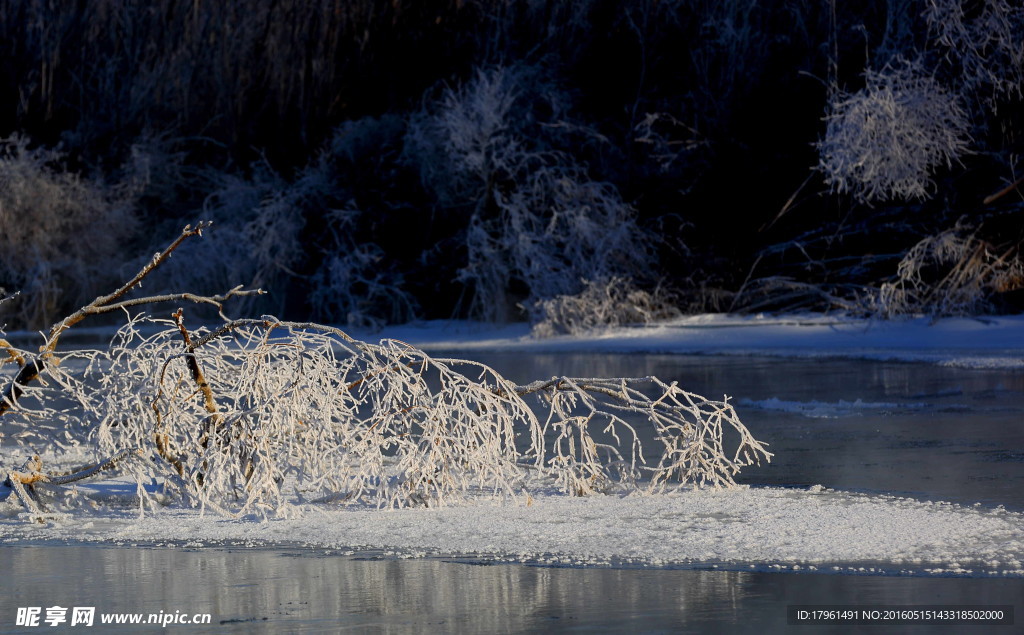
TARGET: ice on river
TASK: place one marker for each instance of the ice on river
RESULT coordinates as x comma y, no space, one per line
742,528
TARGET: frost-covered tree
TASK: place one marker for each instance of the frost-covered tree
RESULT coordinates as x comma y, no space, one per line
957,95
353,283
952,273
887,139
535,219
984,40
62,234
258,239
279,233
266,417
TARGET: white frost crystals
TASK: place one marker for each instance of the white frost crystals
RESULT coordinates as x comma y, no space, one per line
301,413
965,274
538,225
262,417
886,140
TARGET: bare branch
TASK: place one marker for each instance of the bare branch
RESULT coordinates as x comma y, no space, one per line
214,300
197,373
22,483
99,303
992,198
13,354
30,369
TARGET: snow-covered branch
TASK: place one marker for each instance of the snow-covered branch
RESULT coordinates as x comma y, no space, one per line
263,417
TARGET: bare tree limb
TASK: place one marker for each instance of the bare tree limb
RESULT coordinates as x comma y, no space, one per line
13,354
30,369
197,373
992,198
21,482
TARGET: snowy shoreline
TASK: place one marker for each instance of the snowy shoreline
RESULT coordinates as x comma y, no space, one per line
986,341
990,342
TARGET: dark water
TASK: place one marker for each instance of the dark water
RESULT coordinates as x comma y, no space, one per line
290,592
942,433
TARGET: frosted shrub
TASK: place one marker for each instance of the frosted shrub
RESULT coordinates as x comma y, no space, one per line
952,273
353,280
986,41
535,217
264,239
472,135
887,139
601,304
353,284
303,413
587,233
62,234
259,417
257,242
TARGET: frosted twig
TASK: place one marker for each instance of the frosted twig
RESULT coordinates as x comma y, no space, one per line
290,412
30,369
32,473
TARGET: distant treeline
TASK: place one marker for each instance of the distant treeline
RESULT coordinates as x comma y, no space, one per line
571,163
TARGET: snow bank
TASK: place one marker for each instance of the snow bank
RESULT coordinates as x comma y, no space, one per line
742,528
996,342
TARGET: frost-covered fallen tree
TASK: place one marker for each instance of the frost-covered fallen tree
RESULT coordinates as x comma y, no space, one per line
262,417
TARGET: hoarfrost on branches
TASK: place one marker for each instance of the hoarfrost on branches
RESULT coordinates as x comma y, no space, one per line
953,273
258,237
986,41
263,417
603,303
61,232
536,219
353,283
886,140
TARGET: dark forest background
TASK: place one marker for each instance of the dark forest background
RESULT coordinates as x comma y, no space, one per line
574,164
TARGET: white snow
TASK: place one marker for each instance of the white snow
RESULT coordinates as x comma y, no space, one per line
744,527
990,342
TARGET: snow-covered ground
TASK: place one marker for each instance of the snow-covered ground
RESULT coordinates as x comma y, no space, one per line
746,527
